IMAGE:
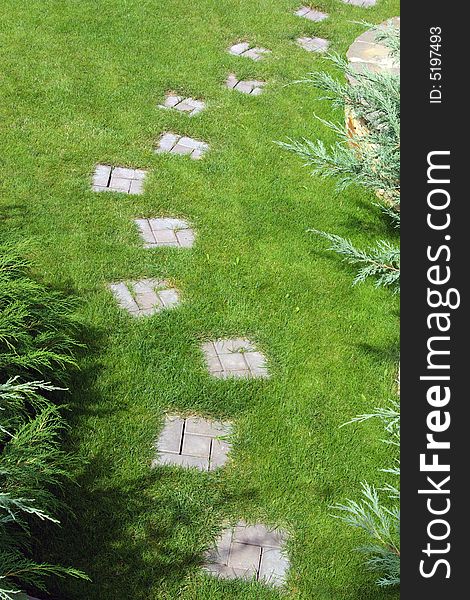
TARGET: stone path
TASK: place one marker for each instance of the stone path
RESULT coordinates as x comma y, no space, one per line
248,51
234,358
313,44
166,231
193,442
251,552
311,13
185,105
179,144
253,87
145,297
118,179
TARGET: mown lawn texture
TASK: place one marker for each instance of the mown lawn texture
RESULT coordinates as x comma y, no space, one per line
80,85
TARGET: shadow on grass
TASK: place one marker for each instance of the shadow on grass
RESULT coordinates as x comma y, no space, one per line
376,229
389,353
13,215
131,535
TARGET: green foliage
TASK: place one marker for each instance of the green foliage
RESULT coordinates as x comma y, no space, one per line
36,324
381,262
379,517
368,157
35,335
371,156
390,36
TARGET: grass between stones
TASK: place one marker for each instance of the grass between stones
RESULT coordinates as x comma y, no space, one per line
81,82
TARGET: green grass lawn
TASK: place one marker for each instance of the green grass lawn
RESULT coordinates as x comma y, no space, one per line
80,81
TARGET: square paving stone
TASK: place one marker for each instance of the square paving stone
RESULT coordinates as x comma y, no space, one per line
166,231
248,51
219,453
205,427
253,87
196,445
226,572
193,442
244,556
311,13
234,358
118,179
273,567
363,3
189,106
178,144
313,44
145,297
171,437
249,552
259,535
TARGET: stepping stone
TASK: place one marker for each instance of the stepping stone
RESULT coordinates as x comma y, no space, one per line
118,179
250,552
248,51
313,44
185,105
234,358
165,232
178,144
363,3
248,86
193,442
311,13
145,297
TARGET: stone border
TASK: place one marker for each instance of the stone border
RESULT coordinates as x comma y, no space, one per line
367,53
